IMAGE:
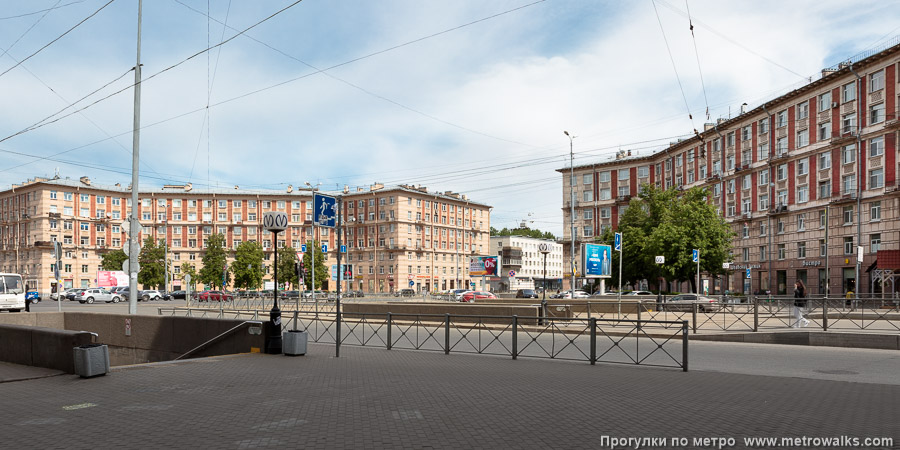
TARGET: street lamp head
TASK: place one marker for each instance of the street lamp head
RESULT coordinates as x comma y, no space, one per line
566,132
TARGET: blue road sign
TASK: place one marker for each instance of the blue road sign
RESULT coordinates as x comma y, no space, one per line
696,256
412,283
748,273
618,245
343,249
303,248
324,210
324,248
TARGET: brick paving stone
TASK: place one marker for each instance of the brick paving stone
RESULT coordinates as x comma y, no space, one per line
375,398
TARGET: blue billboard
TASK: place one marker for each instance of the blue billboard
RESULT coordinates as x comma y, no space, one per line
597,260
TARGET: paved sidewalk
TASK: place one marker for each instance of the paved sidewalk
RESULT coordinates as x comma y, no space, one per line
375,398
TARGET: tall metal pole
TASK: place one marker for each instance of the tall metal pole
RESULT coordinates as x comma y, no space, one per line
827,266
621,252
572,205
337,342
274,344
859,175
134,232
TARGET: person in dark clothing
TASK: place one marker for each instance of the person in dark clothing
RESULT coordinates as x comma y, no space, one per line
799,305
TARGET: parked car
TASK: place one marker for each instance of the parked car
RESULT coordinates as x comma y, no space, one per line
458,293
406,292
526,293
176,295
639,293
98,295
73,294
309,294
33,297
214,296
471,296
577,294
150,295
685,302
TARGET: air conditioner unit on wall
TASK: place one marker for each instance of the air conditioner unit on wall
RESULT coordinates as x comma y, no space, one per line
834,104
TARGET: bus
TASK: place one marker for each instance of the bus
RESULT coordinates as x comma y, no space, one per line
12,292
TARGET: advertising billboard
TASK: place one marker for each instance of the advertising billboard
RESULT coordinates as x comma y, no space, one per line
484,265
597,260
109,278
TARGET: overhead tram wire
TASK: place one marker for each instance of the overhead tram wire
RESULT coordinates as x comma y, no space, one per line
33,127
54,7
697,54
6,50
674,68
373,94
56,39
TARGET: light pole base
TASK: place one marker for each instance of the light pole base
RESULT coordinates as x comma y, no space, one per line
273,333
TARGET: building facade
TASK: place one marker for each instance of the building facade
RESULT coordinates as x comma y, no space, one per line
393,235
806,180
522,255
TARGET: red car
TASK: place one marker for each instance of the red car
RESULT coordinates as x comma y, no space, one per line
471,296
213,296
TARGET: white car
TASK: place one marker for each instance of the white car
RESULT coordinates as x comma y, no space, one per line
150,294
97,294
578,294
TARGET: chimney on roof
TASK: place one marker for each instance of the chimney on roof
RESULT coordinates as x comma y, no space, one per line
376,186
236,187
118,184
629,152
85,180
708,126
290,188
346,189
828,71
188,187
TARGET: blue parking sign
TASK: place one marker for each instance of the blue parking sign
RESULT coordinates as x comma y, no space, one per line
303,248
696,256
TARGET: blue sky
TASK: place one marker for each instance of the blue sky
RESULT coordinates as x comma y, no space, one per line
479,109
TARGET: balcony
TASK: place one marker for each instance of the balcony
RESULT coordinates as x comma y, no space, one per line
623,198
779,209
844,198
843,136
892,120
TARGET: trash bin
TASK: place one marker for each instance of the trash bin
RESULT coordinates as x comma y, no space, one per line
294,342
91,360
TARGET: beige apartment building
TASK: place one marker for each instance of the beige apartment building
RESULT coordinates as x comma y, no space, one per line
805,180
393,235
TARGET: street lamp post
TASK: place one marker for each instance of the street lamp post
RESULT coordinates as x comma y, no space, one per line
572,204
275,221
544,249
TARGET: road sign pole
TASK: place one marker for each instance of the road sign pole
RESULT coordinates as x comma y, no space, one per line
337,342
698,272
621,252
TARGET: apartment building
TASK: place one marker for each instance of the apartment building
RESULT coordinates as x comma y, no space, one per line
805,180
522,255
401,233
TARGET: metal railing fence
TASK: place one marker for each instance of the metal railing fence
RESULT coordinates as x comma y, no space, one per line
618,341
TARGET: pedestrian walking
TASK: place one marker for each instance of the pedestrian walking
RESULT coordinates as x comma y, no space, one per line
799,305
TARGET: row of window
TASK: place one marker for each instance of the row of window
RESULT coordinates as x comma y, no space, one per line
802,246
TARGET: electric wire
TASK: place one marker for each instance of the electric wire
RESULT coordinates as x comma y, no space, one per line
57,6
697,54
56,39
5,51
674,67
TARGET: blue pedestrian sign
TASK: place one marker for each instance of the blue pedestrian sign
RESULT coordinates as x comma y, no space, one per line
748,274
696,256
303,248
324,248
618,245
343,249
324,210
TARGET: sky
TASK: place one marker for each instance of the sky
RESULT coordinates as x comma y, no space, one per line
469,96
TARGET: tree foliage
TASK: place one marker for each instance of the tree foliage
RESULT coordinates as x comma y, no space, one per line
538,234
188,269
247,268
670,223
213,271
322,274
287,260
113,260
152,259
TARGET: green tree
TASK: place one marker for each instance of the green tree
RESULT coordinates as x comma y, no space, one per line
523,231
287,261
248,266
214,260
188,269
671,223
322,273
112,260
152,261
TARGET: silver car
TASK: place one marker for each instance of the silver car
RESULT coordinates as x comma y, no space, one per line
98,295
685,302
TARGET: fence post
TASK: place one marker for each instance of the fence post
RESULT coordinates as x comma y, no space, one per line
295,320
755,313
515,340
694,309
684,345
588,309
447,334
825,314
389,331
593,324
